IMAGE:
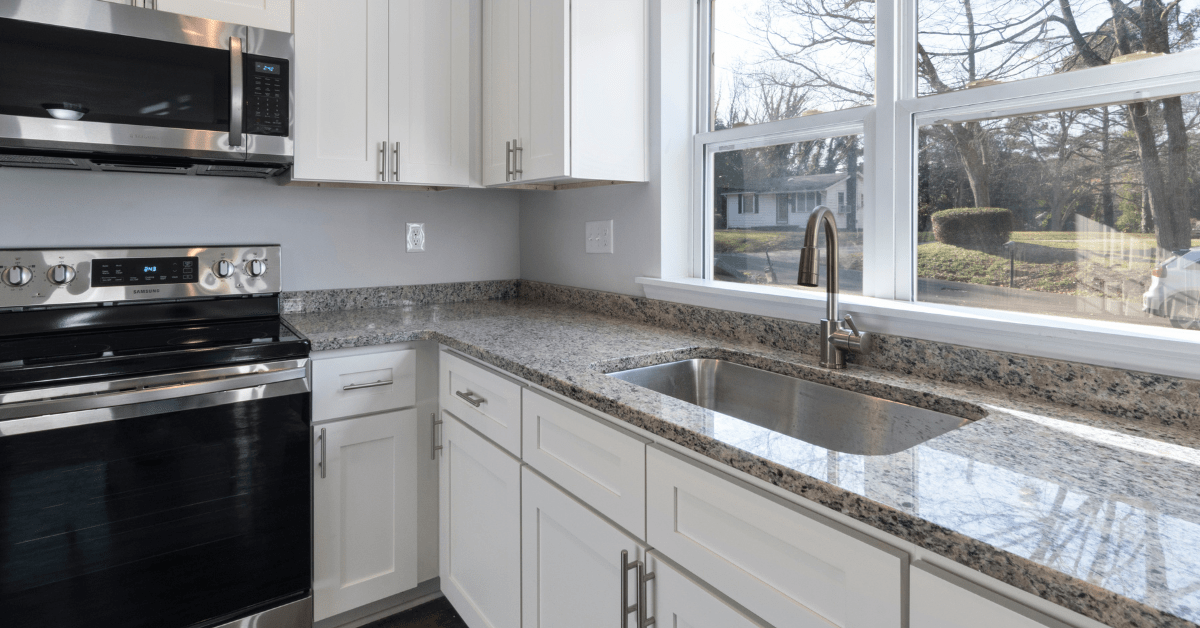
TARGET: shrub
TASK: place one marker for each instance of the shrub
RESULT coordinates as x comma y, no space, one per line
983,228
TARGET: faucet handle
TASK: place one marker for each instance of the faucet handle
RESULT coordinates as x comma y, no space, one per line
853,327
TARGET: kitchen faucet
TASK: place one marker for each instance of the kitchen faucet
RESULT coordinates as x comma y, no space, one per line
836,340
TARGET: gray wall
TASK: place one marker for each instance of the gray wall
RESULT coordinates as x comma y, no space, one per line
332,238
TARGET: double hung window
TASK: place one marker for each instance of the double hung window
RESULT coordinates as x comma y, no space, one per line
1010,155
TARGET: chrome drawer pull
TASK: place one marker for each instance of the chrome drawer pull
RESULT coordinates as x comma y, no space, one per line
644,618
471,398
434,433
627,567
322,463
371,385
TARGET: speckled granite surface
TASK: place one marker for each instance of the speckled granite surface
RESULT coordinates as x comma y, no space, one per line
1094,512
396,296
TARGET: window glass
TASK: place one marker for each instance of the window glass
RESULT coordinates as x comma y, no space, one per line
963,43
778,59
763,198
1073,213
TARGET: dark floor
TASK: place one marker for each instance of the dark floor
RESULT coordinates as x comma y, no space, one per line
435,614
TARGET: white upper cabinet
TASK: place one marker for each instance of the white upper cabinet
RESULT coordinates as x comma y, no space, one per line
341,90
275,15
272,14
383,90
579,111
430,103
501,86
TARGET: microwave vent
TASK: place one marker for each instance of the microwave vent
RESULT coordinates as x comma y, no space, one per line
237,171
40,161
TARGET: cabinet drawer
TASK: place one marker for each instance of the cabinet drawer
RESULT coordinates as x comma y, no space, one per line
939,599
362,384
784,565
602,466
482,399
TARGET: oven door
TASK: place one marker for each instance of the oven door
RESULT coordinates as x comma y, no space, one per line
175,509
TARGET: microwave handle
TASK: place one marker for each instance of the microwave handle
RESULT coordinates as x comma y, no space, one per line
235,91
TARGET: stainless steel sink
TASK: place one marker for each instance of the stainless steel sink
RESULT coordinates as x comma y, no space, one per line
825,416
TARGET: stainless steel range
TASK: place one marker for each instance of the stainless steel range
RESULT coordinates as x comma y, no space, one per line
155,421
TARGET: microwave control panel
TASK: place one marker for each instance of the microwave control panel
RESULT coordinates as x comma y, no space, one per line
267,96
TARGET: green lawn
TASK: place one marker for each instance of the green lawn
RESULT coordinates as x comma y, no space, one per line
744,241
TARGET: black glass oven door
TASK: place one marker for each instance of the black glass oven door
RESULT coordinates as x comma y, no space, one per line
58,72
183,512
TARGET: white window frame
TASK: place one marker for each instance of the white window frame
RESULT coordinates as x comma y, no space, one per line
889,302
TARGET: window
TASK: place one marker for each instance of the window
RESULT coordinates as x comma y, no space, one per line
1038,158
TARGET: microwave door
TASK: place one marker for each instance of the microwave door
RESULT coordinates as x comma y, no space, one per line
74,89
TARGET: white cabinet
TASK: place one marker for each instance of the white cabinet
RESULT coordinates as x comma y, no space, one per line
364,510
362,384
275,15
603,466
677,600
480,535
939,599
565,91
788,567
385,91
482,398
572,561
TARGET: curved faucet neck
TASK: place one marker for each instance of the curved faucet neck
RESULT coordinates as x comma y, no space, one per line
823,214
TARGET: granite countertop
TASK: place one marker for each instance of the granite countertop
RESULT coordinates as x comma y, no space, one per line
1095,513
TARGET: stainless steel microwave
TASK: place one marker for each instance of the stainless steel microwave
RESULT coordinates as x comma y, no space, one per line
94,85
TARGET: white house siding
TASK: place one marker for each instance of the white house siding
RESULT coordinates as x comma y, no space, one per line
766,216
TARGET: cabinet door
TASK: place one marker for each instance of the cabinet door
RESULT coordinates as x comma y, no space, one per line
571,561
941,600
364,511
501,82
342,87
430,90
545,100
480,528
676,600
275,15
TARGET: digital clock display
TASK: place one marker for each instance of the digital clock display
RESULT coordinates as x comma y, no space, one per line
146,271
266,68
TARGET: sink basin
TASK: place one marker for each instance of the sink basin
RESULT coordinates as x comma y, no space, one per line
825,416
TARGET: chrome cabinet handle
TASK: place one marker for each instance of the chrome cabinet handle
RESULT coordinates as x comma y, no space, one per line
322,462
644,619
235,91
626,567
396,161
371,385
433,432
508,161
383,161
517,149
470,398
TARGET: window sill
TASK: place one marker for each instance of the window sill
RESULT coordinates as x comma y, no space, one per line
1164,351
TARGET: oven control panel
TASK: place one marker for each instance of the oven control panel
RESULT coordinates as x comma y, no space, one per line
64,277
267,97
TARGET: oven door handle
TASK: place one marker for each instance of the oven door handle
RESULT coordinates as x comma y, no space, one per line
236,87
72,412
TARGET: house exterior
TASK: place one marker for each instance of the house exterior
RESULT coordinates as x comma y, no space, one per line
790,201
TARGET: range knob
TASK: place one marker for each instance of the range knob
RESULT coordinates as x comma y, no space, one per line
17,276
61,275
223,269
256,268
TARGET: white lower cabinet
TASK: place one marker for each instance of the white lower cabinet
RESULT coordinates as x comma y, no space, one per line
788,567
941,600
572,569
678,601
480,533
364,510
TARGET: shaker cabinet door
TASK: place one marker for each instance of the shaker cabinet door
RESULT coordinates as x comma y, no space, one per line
342,90
430,92
501,85
364,510
480,529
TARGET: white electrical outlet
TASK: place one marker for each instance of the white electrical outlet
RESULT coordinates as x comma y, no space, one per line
600,236
415,237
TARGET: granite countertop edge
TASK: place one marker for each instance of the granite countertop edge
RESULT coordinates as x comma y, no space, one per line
1072,593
